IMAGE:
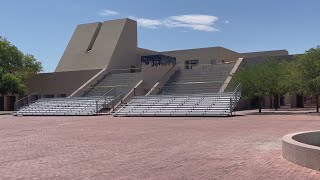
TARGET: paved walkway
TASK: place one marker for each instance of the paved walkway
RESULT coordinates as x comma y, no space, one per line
6,112
104,147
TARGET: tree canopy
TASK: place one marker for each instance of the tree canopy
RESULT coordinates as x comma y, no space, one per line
308,73
15,68
271,77
261,79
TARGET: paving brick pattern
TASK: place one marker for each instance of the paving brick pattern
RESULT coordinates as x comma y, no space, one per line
104,147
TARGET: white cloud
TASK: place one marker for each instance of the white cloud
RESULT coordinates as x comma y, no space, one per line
195,22
227,22
106,12
195,19
148,23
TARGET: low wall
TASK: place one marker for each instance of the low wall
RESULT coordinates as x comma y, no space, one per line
157,87
302,148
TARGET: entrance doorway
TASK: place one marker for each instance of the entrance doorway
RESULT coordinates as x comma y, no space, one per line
191,63
1,103
10,103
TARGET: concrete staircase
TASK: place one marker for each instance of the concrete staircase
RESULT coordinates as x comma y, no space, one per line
202,79
121,83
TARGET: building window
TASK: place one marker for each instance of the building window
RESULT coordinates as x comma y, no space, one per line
191,63
61,95
213,61
48,96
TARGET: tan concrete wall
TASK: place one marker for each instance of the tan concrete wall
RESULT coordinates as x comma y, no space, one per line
125,53
151,75
204,55
265,53
158,85
116,42
228,55
59,82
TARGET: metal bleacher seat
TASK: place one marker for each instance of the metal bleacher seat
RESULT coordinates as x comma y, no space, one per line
65,106
211,104
97,98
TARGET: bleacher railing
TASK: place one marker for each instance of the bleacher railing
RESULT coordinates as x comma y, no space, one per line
235,96
100,106
117,95
125,70
225,65
31,98
24,101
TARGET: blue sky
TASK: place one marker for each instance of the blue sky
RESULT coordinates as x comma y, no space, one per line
43,28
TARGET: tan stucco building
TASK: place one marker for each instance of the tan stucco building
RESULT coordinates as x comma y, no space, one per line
97,49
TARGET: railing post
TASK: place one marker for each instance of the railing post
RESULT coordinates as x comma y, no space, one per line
97,107
235,102
113,104
105,101
231,106
134,91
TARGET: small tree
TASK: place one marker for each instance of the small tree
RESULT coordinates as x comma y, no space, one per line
261,79
308,73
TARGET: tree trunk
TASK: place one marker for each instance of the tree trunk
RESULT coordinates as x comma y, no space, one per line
276,102
317,101
259,104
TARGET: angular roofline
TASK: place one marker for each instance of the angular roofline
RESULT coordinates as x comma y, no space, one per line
215,47
266,51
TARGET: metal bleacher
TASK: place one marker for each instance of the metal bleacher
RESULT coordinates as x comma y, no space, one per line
211,104
190,92
74,106
101,96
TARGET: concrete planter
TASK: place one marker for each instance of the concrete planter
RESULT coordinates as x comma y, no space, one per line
302,148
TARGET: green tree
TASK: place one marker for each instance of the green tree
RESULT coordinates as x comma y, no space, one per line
261,79
15,68
30,66
11,84
10,56
308,73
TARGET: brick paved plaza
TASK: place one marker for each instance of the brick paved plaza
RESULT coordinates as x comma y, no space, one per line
104,147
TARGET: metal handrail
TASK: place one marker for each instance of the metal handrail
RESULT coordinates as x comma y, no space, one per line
103,96
218,63
124,69
26,97
116,99
109,86
15,103
196,82
232,104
